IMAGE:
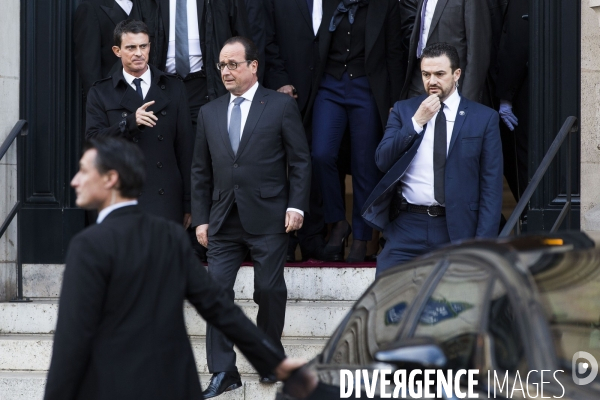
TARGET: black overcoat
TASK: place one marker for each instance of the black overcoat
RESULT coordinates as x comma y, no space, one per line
167,147
121,332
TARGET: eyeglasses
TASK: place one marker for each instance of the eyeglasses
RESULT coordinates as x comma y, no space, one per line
231,65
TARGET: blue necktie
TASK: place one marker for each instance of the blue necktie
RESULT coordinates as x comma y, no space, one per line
235,124
420,46
138,87
182,46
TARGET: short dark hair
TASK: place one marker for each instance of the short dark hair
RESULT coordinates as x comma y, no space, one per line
128,26
443,49
125,158
249,46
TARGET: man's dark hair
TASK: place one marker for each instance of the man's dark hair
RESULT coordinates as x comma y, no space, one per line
249,46
443,49
125,158
128,26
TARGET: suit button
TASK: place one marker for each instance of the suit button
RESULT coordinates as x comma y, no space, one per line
159,165
235,166
161,191
135,140
206,97
163,112
160,137
124,114
236,187
163,87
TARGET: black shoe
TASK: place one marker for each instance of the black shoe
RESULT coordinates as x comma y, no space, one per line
267,380
222,382
358,251
334,250
291,255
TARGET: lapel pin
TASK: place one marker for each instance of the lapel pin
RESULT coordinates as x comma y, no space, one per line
262,102
461,113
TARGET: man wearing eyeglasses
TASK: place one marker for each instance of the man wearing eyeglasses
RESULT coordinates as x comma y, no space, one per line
250,187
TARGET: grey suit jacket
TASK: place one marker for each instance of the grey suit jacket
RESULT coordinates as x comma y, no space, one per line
269,173
466,25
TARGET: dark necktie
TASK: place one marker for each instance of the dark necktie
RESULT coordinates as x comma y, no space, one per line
182,46
235,124
138,86
440,143
310,4
420,45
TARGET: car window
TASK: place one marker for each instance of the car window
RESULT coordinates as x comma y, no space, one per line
453,313
377,316
569,288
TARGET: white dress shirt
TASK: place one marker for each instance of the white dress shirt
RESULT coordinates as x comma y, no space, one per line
245,109
126,5
417,181
145,83
193,37
104,213
429,10
317,15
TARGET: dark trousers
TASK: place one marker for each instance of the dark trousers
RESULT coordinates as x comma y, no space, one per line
411,235
340,104
226,252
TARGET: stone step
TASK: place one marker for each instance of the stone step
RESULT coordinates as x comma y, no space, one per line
33,352
28,385
303,318
43,280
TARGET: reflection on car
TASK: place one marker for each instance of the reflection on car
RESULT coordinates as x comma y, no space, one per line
510,308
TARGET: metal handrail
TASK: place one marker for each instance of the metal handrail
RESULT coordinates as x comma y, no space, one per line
19,131
570,125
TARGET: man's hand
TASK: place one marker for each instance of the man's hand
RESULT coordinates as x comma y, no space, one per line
289,90
293,221
286,367
187,220
202,234
143,117
428,108
507,115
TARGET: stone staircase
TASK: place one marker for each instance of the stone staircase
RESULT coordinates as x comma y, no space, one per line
318,299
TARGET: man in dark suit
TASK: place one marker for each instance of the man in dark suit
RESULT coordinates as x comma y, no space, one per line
292,58
464,24
144,105
443,161
93,27
250,187
120,331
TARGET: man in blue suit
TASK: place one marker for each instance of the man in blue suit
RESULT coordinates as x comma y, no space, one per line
443,177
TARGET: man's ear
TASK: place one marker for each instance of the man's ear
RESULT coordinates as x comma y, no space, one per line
457,74
117,51
111,179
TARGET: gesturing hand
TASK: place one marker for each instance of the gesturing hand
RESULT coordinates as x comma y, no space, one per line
293,221
507,115
428,108
143,117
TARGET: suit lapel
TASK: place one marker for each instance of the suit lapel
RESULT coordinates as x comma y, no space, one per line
156,94
256,108
164,12
437,14
222,122
109,8
461,115
375,22
329,7
304,11
130,101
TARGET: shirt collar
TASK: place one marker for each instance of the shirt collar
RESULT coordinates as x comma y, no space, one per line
146,76
104,213
249,95
453,102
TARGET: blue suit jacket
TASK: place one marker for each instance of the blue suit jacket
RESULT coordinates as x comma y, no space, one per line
473,168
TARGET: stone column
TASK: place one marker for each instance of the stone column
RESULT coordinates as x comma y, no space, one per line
10,50
590,115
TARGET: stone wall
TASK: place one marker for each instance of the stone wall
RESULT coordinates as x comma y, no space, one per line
9,115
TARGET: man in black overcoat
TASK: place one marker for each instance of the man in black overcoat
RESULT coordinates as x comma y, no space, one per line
120,331
142,104
251,182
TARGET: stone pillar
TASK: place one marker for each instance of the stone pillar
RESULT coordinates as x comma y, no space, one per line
10,49
590,115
